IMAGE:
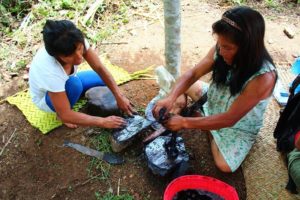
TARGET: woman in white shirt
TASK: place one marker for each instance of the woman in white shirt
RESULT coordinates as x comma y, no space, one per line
55,85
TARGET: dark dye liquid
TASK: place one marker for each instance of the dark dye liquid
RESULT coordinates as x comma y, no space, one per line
196,195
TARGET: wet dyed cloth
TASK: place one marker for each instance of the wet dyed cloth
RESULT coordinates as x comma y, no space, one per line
294,166
235,142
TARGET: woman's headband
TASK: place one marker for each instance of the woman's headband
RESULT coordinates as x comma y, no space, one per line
232,23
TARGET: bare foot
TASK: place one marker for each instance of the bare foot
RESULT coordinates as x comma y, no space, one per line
69,125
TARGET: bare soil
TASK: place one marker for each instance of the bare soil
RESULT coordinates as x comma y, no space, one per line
36,166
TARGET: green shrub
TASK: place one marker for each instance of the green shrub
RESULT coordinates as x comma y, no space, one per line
17,8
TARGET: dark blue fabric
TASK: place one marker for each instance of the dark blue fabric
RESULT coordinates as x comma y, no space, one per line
78,85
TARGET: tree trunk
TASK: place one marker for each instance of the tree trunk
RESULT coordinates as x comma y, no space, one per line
172,36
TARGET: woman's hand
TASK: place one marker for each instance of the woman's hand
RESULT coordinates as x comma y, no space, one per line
125,105
113,122
166,103
175,123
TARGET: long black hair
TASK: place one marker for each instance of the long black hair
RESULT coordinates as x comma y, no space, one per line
61,37
244,27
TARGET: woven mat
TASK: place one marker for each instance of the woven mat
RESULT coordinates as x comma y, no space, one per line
264,169
45,121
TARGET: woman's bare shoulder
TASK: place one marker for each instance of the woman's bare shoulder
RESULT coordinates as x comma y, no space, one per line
262,85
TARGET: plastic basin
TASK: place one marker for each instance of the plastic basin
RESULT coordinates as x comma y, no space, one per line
202,183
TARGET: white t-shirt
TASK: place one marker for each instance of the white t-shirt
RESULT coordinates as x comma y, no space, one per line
46,74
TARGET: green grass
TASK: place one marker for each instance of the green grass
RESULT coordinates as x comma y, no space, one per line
16,43
110,196
100,170
239,2
17,8
271,3
116,19
101,140
97,167
141,110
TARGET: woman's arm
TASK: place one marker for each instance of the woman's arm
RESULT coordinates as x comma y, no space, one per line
67,115
185,81
257,90
191,76
94,61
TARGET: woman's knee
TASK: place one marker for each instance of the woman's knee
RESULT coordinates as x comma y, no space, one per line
197,90
180,104
223,166
220,162
89,79
73,84
73,89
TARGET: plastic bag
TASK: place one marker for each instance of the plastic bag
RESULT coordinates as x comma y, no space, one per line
133,127
165,81
166,153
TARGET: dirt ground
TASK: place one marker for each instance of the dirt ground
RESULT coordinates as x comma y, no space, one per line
36,166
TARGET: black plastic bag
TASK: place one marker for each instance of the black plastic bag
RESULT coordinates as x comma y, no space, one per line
166,154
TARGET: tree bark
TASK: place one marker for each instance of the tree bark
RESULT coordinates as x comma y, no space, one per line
172,36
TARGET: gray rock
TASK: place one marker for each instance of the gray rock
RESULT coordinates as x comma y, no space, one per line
101,102
296,54
289,32
117,146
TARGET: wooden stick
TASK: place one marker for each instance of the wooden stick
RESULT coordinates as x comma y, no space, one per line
92,10
144,15
118,190
108,43
8,141
25,21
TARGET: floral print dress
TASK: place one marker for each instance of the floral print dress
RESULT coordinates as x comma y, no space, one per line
235,142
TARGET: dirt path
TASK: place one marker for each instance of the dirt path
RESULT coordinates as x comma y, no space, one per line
35,166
